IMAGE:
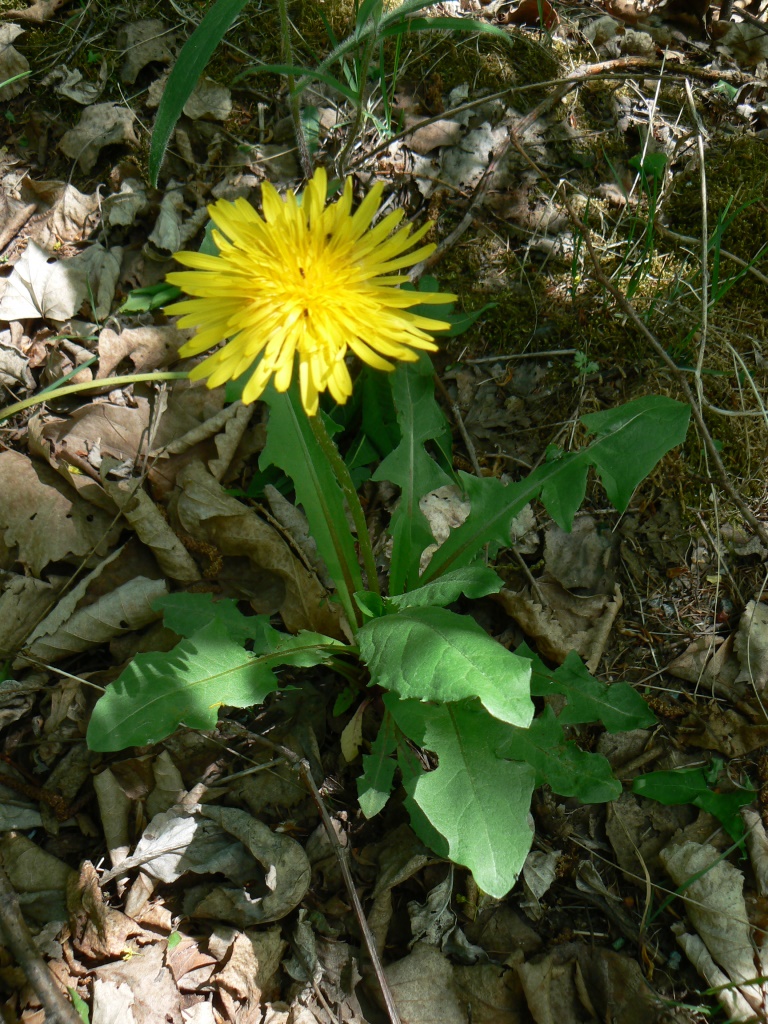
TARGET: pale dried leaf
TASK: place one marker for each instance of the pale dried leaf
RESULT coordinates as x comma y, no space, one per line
733,1001
209,100
439,133
494,993
715,905
757,845
72,84
156,997
12,62
125,609
112,1003
583,559
422,987
123,207
43,286
100,125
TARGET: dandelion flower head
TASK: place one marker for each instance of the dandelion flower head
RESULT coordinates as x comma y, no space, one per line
305,283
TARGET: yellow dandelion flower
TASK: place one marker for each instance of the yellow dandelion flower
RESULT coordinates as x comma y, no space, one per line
309,281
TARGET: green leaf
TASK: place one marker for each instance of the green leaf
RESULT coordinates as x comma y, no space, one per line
472,581
141,300
375,784
690,787
157,692
447,24
187,614
616,705
432,654
291,445
569,770
189,66
79,1004
478,802
411,469
630,441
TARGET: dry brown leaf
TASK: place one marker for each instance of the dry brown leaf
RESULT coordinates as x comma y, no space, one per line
63,214
566,623
121,611
285,864
144,42
42,521
439,133
726,731
147,347
98,930
751,645
150,983
151,527
100,125
205,512
423,989
534,14
209,100
24,601
39,12
494,993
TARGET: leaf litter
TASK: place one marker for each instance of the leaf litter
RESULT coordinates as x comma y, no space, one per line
110,504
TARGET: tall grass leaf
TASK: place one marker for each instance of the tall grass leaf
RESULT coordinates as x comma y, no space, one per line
445,25
190,64
307,76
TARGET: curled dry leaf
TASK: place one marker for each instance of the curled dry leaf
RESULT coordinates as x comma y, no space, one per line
63,213
103,124
122,611
286,866
716,908
565,622
751,645
422,986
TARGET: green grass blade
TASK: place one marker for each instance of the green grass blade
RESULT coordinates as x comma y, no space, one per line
191,62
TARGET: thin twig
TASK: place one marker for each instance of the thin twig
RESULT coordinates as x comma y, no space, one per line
304,770
704,241
456,412
674,236
17,937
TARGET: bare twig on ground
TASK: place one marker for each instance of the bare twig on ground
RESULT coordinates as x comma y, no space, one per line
17,937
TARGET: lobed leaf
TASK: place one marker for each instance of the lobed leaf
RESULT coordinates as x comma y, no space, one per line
560,764
411,469
630,441
432,654
690,787
617,705
375,784
471,581
159,691
477,802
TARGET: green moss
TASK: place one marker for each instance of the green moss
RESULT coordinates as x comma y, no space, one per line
737,173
